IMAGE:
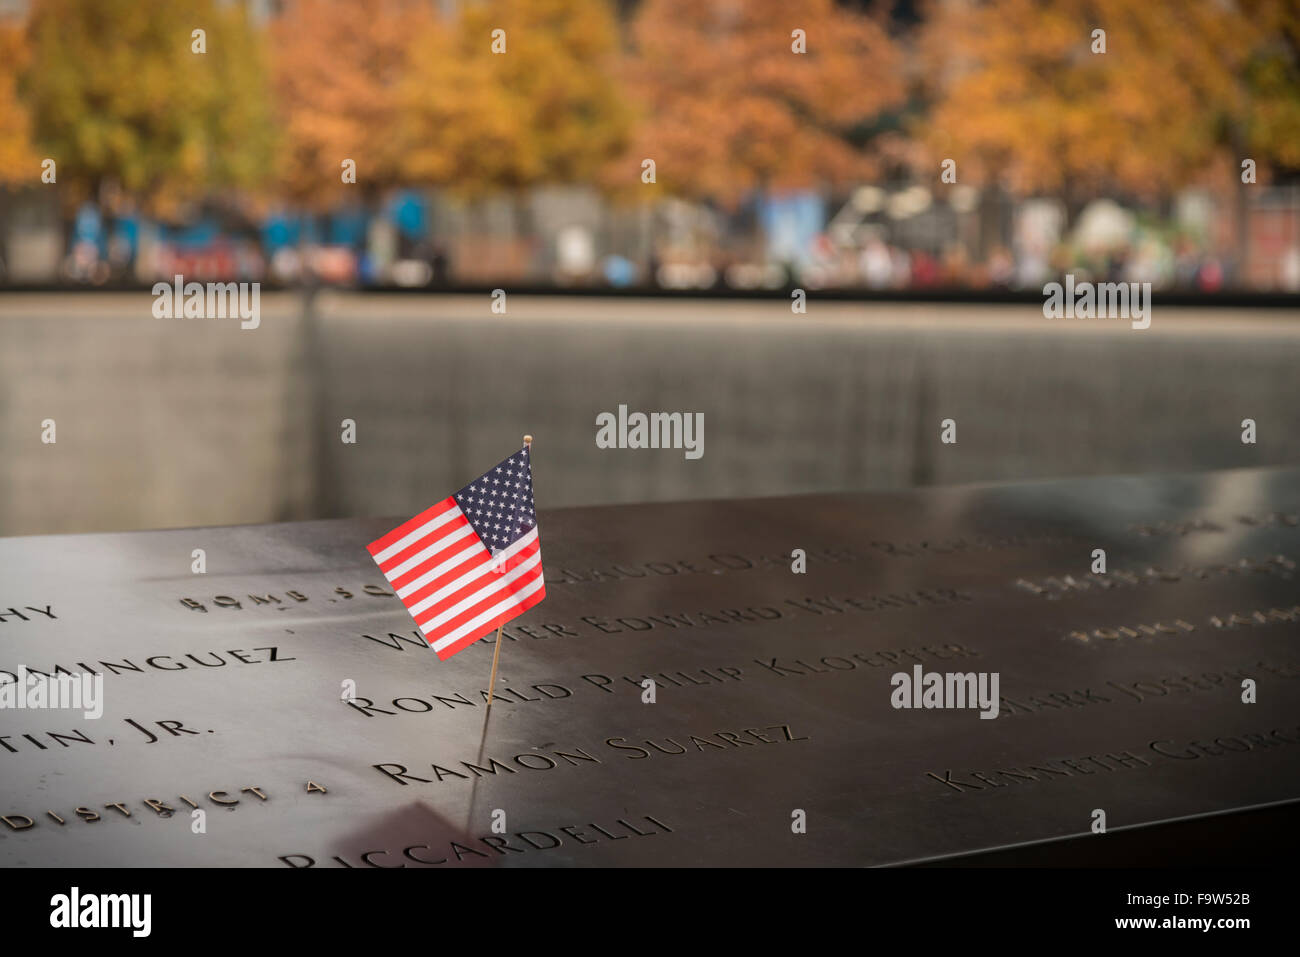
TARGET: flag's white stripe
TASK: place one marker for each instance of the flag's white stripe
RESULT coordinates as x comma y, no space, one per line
479,595
411,538
471,550
452,587
515,599
486,592
422,556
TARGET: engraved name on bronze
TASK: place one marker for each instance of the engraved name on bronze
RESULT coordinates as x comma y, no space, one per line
28,613
577,757
293,597
1187,526
716,563
627,624
204,660
824,606
10,744
1177,527
1252,619
1277,519
978,543
1176,627
726,563
401,642
525,842
415,704
700,677
1279,566
1141,690
1169,749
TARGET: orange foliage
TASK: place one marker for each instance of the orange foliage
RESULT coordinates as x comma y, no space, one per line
728,106
337,66
17,161
1021,97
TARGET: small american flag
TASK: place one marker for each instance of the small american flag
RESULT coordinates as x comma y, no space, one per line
470,563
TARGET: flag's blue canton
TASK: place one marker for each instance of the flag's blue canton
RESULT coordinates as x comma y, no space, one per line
499,503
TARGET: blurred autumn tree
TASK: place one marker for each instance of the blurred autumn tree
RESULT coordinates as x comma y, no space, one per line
547,110
728,106
119,99
1185,89
18,163
338,66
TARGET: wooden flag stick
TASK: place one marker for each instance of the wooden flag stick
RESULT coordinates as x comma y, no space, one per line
496,652
496,656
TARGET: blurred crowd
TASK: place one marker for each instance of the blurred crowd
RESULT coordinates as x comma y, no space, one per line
398,245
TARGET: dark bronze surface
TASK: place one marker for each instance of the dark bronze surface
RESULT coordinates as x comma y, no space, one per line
775,685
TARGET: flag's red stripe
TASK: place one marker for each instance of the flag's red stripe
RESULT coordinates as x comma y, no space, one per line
492,594
406,528
482,583
494,597
441,532
446,578
437,558
468,640
489,602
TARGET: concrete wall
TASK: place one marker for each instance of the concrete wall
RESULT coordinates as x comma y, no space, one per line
192,422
